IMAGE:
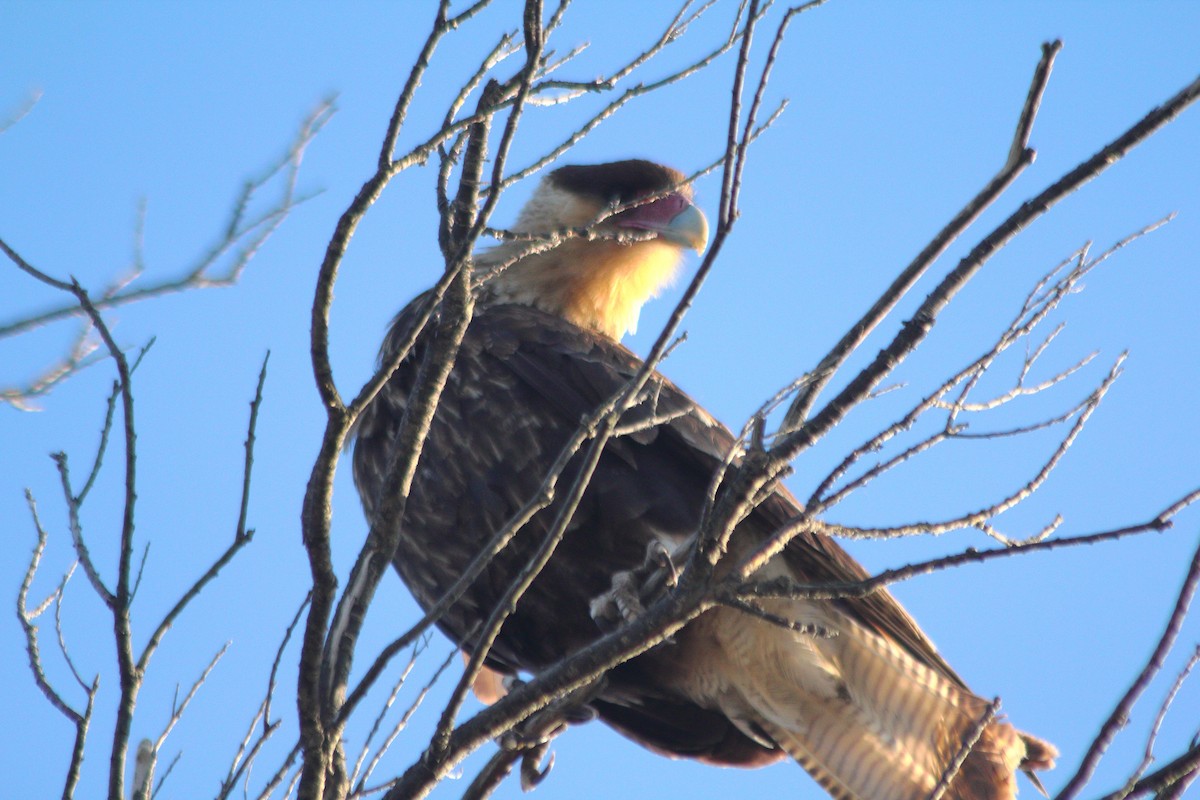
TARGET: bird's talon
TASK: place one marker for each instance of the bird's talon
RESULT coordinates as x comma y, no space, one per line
620,603
659,556
532,773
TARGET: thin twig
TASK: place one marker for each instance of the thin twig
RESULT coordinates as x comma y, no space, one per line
1120,713
244,237
417,649
1045,296
78,358
629,94
739,587
970,739
402,723
241,536
142,790
1019,157
241,765
1160,717
26,617
1176,774
19,113
81,720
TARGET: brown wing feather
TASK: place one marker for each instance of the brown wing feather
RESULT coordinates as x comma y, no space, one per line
574,374
522,382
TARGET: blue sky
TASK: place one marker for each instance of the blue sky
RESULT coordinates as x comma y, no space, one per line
898,114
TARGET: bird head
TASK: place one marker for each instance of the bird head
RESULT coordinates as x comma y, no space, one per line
638,219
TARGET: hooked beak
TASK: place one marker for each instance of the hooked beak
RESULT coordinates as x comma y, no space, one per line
688,228
673,218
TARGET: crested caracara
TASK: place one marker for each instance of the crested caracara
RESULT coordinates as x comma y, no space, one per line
872,711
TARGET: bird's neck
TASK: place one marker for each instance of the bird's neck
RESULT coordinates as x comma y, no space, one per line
599,285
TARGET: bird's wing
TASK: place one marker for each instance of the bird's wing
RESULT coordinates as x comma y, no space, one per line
521,384
574,371
906,698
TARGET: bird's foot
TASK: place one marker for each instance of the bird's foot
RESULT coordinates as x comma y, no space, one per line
530,740
631,589
621,603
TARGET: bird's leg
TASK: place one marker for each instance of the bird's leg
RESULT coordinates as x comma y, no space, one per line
631,590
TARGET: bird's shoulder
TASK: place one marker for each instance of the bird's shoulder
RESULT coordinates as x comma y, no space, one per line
519,361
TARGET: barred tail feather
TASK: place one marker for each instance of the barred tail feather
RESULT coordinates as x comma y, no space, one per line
861,715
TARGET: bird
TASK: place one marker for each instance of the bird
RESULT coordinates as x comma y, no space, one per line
852,689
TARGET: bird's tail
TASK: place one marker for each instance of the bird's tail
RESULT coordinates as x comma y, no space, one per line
863,717
870,769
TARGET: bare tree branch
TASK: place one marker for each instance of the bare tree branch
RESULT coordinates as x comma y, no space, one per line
131,672
922,322
1045,297
464,232
1163,708
1166,782
418,779
740,586
241,536
316,741
240,236
147,761
968,744
673,31
762,470
361,789
1120,713
1019,157
19,113
80,719
78,357
525,721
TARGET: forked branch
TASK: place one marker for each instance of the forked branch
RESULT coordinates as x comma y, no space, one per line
240,238
1120,713
1020,155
